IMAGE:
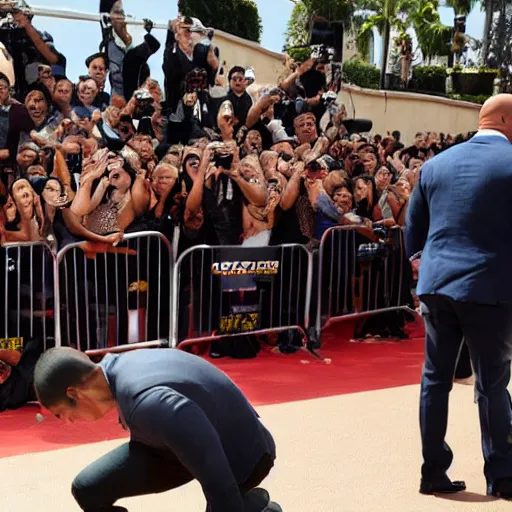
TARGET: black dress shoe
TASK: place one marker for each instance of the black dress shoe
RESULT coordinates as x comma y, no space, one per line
447,487
502,488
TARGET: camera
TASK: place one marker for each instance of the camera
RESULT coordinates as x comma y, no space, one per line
145,102
371,252
196,81
12,7
313,171
328,36
221,157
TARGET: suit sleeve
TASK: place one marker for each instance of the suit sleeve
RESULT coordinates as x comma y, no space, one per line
417,220
180,425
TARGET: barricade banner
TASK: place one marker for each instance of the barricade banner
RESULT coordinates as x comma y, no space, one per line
362,272
114,296
224,291
27,295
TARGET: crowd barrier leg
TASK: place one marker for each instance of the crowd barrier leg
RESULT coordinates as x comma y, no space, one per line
28,295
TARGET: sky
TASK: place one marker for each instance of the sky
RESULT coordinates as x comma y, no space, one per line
79,39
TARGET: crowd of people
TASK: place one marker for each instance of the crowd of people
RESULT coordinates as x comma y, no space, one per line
210,157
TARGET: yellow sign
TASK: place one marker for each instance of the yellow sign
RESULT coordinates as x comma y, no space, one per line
11,344
243,268
240,322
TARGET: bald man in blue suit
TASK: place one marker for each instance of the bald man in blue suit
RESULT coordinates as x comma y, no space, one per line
460,216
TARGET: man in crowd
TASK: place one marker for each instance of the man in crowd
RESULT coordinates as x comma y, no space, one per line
238,96
97,67
31,49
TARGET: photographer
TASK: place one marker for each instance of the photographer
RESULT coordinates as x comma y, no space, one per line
308,82
194,116
183,53
135,67
29,48
238,96
116,41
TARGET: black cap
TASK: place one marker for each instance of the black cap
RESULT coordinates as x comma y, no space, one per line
99,55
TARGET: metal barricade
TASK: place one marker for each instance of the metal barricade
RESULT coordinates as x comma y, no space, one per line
356,282
115,300
228,291
28,294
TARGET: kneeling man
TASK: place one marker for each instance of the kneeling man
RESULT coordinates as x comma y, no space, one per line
187,420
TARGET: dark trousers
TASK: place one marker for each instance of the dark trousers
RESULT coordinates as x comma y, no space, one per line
463,369
134,469
487,330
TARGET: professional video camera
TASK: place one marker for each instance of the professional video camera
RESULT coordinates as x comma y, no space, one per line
327,37
12,6
7,10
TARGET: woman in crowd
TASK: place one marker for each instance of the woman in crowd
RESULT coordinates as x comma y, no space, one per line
385,197
87,90
162,214
61,225
28,205
119,197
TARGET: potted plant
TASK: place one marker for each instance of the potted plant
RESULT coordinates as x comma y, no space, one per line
473,81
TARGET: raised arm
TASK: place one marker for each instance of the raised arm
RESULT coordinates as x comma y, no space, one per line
195,198
292,190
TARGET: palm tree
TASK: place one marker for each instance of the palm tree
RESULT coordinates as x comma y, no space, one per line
386,14
433,37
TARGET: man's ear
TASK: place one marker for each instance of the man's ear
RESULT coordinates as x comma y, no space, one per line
73,393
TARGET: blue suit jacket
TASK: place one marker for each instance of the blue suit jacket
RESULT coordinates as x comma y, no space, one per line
460,215
184,407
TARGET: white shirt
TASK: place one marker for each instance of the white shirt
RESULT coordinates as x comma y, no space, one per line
489,133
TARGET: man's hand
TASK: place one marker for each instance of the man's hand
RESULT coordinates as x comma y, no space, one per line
306,66
148,25
96,116
314,101
268,101
115,238
212,60
21,20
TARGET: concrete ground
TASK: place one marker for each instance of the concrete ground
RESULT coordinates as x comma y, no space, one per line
352,453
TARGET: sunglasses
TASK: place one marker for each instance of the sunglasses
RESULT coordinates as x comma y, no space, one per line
285,156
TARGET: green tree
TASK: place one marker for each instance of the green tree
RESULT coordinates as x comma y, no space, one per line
237,17
385,15
433,37
332,10
297,33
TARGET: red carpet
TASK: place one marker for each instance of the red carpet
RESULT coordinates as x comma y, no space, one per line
270,378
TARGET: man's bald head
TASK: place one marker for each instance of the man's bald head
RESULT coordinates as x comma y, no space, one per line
496,114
